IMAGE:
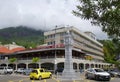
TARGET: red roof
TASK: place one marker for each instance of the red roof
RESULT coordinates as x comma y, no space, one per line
5,50
17,49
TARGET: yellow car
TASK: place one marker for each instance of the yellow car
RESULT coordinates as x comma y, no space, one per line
40,74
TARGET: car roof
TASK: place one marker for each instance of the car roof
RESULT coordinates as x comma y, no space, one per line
38,68
94,68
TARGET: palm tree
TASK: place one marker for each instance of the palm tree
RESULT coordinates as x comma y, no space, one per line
35,60
12,60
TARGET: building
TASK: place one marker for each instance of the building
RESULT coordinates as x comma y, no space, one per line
10,48
82,42
87,52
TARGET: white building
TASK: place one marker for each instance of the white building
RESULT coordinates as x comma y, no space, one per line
87,51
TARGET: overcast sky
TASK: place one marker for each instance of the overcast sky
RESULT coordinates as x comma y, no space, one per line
43,13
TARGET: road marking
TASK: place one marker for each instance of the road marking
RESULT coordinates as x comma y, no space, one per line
32,81
88,81
23,80
74,81
112,78
44,80
85,80
55,79
10,81
20,80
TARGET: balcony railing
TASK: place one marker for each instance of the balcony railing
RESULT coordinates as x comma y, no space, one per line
50,57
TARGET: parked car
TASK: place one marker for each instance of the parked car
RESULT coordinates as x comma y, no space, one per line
114,72
97,74
9,70
27,71
19,70
6,70
40,73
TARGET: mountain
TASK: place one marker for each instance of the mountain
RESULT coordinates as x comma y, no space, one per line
22,35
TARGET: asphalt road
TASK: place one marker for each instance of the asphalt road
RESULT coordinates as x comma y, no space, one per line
23,78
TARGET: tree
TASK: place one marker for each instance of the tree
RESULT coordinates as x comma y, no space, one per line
103,13
12,60
111,51
35,60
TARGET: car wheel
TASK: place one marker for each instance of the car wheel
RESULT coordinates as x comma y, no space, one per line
96,78
108,80
40,78
31,78
50,76
86,76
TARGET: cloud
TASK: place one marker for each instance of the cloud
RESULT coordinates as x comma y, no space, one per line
42,13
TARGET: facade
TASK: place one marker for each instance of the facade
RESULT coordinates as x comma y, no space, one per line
86,52
84,43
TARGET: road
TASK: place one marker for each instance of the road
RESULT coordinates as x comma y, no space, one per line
23,78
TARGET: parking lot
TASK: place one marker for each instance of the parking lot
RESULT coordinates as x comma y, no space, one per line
24,78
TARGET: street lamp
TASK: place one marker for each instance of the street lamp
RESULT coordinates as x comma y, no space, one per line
55,66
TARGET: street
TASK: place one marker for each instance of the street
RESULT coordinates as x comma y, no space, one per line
23,78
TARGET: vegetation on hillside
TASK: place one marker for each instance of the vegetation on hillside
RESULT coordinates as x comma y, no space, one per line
21,35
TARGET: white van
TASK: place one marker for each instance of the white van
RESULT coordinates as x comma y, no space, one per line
6,70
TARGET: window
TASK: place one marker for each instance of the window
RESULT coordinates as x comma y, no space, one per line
41,70
91,70
48,43
99,70
61,41
34,71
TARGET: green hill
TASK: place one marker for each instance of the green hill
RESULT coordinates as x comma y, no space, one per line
22,35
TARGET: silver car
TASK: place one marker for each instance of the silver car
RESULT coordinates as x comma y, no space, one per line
97,74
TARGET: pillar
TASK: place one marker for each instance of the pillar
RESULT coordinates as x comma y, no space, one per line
78,68
27,66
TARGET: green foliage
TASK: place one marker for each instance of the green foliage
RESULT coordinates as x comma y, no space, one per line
22,35
103,13
12,60
35,59
111,51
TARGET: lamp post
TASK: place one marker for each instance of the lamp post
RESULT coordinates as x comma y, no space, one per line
55,66
27,61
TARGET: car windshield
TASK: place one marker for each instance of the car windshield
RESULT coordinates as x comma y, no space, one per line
9,68
34,71
99,70
20,68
